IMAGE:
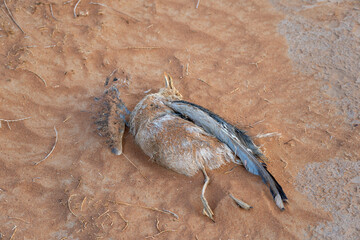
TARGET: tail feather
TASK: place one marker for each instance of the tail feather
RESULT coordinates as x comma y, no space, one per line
235,139
279,188
246,140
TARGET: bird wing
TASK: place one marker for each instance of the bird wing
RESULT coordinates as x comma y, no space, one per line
235,139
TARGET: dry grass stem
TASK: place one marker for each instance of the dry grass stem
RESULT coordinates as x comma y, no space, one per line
174,214
43,80
126,221
52,149
256,63
273,134
78,185
146,207
136,167
255,123
82,204
77,3
159,231
22,220
157,225
12,18
111,222
13,234
229,171
121,13
111,219
203,81
157,234
236,89
66,119
197,4
113,72
12,120
187,69
103,214
284,162
52,13
69,204
240,203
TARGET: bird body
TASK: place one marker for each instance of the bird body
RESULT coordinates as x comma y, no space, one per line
172,141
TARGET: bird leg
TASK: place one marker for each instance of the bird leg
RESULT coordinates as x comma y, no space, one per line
207,210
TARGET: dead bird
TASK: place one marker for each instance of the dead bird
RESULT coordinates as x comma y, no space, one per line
186,138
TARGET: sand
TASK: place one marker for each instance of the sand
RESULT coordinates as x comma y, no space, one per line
285,67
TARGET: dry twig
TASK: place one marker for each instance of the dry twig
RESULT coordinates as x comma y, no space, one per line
43,80
240,203
12,120
12,235
12,18
69,204
136,167
174,214
52,13
52,149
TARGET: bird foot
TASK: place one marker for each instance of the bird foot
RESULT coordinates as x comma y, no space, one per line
207,210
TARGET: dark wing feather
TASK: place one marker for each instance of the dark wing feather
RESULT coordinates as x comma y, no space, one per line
235,139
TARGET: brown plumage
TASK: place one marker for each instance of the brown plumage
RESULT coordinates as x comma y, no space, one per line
186,138
110,119
172,141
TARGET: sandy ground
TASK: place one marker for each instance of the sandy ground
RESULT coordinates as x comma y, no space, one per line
290,67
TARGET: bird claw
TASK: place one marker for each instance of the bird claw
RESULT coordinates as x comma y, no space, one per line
207,210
